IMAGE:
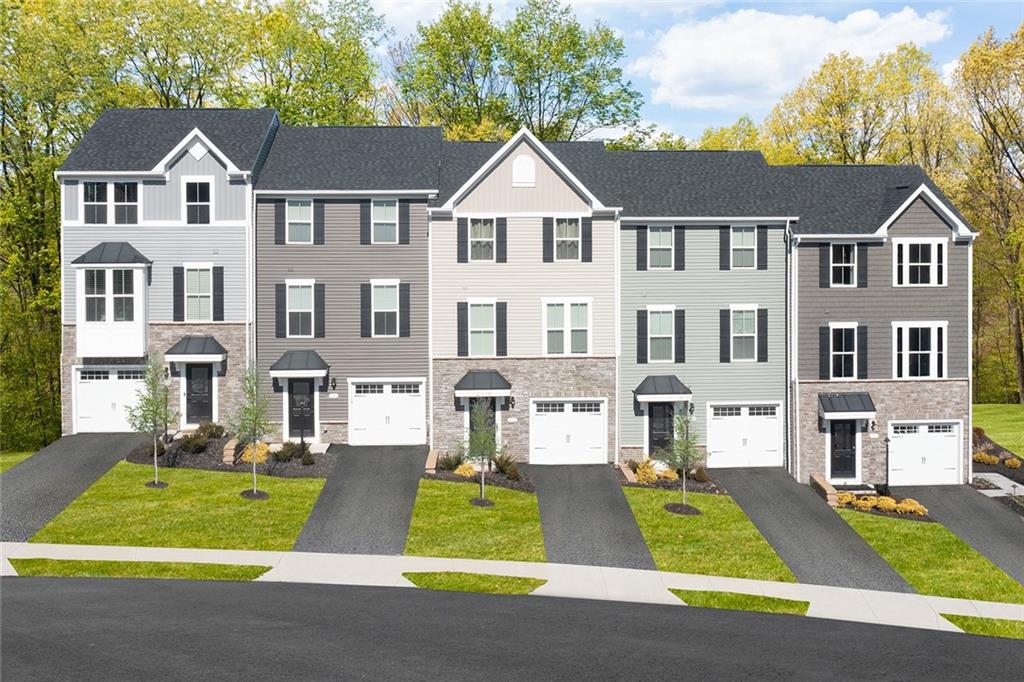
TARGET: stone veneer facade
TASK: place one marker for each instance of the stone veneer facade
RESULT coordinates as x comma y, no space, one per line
591,377
894,400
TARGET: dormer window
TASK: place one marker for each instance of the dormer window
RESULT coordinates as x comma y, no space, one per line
197,202
126,203
95,203
524,173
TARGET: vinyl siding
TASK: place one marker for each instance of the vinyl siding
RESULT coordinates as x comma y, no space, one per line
162,200
71,197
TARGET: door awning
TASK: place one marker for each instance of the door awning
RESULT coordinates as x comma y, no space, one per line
482,383
196,349
299,363
662,388
846,406
112,253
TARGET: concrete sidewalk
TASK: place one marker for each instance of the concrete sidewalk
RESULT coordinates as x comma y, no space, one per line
564,580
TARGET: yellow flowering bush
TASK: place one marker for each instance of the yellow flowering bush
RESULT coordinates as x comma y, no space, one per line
465,470
845,498
668,475
985,458
255,453
911,506
1011,463
645,473
885,504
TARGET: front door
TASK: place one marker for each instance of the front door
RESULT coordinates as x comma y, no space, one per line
198,393
844,449
300,408
489,403
661,426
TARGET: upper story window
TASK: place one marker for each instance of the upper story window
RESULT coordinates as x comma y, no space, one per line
126,203
119,288
567,239
300,309
744,247
920,350
385,221
844,350
481,329
300,221
567,325
94,203
919,262
744,334
659,243
197,202
844,264
481,239
124,295
660,334
198,294
385,309
524,173
95,295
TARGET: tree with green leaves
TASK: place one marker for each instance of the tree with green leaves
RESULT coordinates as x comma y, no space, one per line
648,137
482,444
684,452
151,412
250,422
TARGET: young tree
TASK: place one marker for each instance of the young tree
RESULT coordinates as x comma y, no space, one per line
150,414
482,440
251,422
683,453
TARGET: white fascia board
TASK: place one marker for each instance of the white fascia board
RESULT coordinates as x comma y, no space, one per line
429,193
665,398
212,357
162,164
710,219
297,373
797,238
119,266
104,174
962,231
480,393
845,415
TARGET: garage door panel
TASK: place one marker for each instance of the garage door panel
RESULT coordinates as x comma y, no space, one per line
748,435
568,432
922,453
102,399
387,413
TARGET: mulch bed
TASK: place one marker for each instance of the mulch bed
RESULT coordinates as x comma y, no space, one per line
711,487
682,509
892,515
983,443
1015,475
523,485
210,459
979,483
1015,503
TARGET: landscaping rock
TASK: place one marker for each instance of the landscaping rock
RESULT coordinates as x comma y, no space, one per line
230,449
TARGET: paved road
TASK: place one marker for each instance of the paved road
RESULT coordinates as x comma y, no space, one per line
155,630
817,545
40,487
983,523
366,504
586,518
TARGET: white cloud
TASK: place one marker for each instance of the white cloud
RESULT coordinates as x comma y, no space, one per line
949,70
747,59
402,16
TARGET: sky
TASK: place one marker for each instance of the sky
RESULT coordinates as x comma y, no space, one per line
701,64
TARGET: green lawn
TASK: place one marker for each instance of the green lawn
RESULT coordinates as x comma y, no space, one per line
445,524
1004,424
934,560
135,569
721,541
198,509
9,459
741,602
452,581
990,627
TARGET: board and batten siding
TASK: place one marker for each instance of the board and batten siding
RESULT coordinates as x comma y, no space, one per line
702,290
880,303
342,264
162,200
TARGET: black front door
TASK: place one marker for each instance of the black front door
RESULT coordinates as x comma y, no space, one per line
198,393
489,403
661,427
844,449
300,408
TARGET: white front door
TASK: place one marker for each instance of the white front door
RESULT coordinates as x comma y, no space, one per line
387,412
924,453
569,431
102,397
744,435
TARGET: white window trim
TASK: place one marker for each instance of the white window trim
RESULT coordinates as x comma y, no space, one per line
733,247
185,179
672,354
110,203
108,285
287,221
114,296
899,327
286,398
671,248
831,350
184,286
373,221
905,242
374,283
578,239
519,178
732,335
567,327
859,426
288,284
470,302
184,424
493,239
832,265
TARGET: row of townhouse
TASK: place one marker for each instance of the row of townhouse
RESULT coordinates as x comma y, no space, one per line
384,281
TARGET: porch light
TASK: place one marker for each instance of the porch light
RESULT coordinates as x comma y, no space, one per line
334,384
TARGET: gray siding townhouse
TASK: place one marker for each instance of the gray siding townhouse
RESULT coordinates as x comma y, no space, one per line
156,208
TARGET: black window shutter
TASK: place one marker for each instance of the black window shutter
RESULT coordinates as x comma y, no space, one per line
862,266
641,337
318,221
319,307
218,293
680,336
365,311
762,247
587,239
501,240
403,221
724,340
724,244
679,246
824,350
462,237
762,335
549,240
178,284
899,264
463,329
824,266
279,206
862,352
280,311
641,248
364,221
501,328
403,309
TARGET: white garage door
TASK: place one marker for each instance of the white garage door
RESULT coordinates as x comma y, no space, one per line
568,431
924,454
102,396
387,413
744,435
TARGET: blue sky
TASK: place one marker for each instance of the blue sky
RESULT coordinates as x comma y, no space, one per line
706,63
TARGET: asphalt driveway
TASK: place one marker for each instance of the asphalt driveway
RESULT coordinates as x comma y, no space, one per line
991,529
366,505
586,519
817,545
41,486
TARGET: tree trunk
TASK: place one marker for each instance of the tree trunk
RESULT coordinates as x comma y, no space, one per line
254,475
481,483
156,469
684,486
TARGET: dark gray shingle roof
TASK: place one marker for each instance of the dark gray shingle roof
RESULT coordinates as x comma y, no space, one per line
111,253
665,384
197,345
482,380
831,403
293,360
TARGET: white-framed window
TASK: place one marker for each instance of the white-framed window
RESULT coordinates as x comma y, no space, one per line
126,203
843,350
94,375
481,239
727,411
566,327
761,410
919,262
94,203
659,247
661,334
567,238
481,329
198,200
744,333
524,173
299,221
130,374
385,308
198,293
844,265
300,308
744,247
95,295
369,389
549,408
406,389
588,407
385,221
124,295
919,350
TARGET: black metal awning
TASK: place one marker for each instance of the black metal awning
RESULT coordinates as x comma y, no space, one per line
112,253
299,363
662,388
192,348
482,383
846,406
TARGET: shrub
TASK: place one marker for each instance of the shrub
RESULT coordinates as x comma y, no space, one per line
645,473
911,506
290,451
668,475
885,504
632,464
506,466
845,498
865,503
465,470
307,458
985,458
700,475
1011,463
193,443
210,430
450,461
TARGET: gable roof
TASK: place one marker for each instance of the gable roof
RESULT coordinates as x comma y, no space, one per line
112,253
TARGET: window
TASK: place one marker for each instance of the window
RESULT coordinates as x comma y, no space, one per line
940,428
369,389
523,172
919,262
744,338
299,222
660,333
843,265
761,410
567,320
481,329
411,389
587,407
198,294
743,247
920,350
844,351
385,221
727,411
197,203
300,310
124,298
126,203
95,201
385,309
129,374
659,243
94,375
481,239
567,239
550,408
904,429
95,295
